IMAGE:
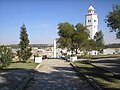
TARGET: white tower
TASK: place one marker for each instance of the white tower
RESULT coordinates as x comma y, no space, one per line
54,49
91,22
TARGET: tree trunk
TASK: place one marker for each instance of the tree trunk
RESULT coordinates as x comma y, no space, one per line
76,50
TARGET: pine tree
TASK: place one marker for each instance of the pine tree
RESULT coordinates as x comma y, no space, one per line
5,56
25,50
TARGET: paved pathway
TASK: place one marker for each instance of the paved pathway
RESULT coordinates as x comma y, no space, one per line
11,78
56,74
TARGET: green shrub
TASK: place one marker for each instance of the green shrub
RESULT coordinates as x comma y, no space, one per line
73,55
85,57
5,57
67,57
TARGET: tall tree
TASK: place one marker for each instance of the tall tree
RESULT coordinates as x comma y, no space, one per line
80,37
66,33
99,41
72,37
5,56
113,20
90,45
25,50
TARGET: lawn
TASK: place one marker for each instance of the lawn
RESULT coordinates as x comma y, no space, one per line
28,65
104,79
101,56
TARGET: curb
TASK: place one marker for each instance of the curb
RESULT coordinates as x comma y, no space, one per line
90,80
37,66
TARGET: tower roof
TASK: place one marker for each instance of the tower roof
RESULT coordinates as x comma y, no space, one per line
91,8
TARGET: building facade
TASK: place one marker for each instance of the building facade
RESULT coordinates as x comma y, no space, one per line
91,22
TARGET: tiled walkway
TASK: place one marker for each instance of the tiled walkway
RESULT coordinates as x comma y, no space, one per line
57,74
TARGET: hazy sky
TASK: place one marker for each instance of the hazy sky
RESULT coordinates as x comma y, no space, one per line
41,18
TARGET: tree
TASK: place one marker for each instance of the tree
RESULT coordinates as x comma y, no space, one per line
25,50
113,20
81,37
72,37
90,45
99,41
66,33
5,56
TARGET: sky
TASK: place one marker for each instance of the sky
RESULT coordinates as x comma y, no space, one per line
41,18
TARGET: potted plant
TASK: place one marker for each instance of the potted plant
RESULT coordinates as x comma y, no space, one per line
38,58
73,58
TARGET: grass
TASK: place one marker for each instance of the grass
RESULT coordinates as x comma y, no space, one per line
28,65
102,78
100,56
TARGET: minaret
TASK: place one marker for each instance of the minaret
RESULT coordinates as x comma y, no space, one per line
91,22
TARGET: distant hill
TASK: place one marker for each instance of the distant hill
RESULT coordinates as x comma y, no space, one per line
15,46
40,45
115,45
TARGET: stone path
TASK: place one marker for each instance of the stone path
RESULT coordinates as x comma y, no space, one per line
56,74
10,79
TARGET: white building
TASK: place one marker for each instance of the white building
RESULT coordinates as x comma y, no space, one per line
111,51
91,22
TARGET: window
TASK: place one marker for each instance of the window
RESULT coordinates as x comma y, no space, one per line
94,20
94,26
89,20
89,11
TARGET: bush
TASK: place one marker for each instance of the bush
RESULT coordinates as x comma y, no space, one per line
73,55
85,57
67,57
44,57
5,57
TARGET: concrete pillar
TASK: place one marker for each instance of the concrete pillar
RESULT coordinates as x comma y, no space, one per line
54,49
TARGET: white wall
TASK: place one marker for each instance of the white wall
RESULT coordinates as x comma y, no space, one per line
110,51
91,24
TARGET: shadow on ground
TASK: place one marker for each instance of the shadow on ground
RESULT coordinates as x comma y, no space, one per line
104,79
10,79
112,65
61,78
